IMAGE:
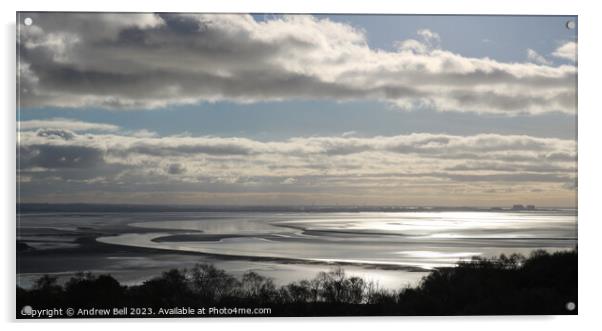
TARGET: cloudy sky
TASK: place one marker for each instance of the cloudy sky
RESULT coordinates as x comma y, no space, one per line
297,110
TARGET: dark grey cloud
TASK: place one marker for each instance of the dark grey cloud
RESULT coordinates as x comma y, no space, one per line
59,156
510,178
481,166
217,148
59,133
176,169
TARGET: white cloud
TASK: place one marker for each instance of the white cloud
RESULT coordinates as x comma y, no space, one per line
567,51
535,57
430,37
143,133
289,180
150,61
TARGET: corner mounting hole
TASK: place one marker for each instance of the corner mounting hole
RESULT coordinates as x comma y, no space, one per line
28,21
571,25
570,306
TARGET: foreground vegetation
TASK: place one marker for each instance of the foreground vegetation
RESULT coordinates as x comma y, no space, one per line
543,283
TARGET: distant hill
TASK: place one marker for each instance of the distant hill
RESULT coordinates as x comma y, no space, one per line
86,207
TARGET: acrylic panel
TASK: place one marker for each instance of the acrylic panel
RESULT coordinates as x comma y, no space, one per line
195,165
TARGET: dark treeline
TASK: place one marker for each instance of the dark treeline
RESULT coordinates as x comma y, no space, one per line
540,284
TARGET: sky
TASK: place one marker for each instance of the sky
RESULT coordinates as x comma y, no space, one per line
268,109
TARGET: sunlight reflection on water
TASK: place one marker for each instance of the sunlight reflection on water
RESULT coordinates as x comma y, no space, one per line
420,239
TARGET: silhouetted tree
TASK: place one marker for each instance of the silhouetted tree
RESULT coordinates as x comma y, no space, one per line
212,284
543,283
87,290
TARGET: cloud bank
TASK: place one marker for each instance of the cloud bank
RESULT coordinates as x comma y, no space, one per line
403,166
134,61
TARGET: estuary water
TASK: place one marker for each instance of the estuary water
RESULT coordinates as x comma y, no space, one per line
391,248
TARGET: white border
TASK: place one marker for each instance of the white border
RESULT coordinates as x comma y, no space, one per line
590,19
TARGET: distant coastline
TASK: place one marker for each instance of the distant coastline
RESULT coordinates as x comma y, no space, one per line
90,207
